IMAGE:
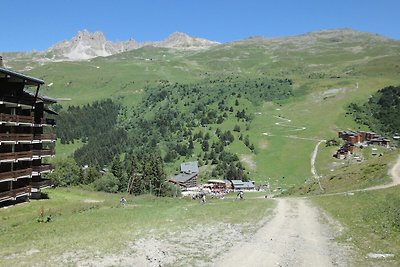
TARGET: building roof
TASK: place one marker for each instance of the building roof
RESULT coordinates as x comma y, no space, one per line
237,182
183,177
190,167
244,185
44,99
19,77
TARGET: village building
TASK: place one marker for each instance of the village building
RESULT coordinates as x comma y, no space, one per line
26,136
344,151
358,138
217,185
188,176
354,137
239,185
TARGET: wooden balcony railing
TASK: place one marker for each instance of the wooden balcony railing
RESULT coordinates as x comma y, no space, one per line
16,118
16,100
6,195
44,153
46,121
45,137
14,175
14,156
42,184
4,137
13,194
22,190
43,168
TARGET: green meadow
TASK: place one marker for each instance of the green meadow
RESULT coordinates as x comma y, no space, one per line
94,222
370,223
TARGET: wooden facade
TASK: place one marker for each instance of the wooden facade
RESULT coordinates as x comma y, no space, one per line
26,136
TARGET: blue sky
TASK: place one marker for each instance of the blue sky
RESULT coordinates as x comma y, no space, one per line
38,24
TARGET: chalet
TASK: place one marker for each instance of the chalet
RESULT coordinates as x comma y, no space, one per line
381,141
354,137
188,177
26,136
217,185
185,180
344,151
238,185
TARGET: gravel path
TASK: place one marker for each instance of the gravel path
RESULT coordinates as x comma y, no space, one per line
295,236
395,173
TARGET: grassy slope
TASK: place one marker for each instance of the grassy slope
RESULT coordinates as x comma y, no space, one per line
366,60
371,64
88,221
365,226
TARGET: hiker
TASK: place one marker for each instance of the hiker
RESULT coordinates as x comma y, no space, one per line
240,195
203,198
122,201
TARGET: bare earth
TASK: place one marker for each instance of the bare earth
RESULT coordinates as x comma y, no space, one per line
295,236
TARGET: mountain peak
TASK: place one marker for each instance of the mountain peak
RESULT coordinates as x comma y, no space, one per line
182,40
85,45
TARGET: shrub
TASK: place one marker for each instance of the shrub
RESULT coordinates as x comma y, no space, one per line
107,183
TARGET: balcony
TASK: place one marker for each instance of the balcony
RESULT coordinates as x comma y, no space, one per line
16,156
44,138
15,175
13,194
38,154
41,184
12,138
48,122
46,168
4,196
11,101
16,119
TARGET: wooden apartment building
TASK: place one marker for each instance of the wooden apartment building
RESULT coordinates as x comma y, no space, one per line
26,136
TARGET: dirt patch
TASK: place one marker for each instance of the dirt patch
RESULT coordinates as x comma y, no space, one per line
249,161
196,246
92,201
294,236
263,144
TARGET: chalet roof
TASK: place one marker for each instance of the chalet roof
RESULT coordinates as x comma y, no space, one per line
14,76
190,167
237,182
244,185
183,177
45,99
50,111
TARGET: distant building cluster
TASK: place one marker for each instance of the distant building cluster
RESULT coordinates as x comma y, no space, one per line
188,180
358,138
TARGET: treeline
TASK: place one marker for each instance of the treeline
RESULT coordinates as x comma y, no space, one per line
381,113
142,173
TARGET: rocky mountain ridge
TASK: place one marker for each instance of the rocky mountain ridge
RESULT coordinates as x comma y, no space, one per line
86,45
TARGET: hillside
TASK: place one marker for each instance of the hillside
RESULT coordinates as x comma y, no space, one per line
328,70
256,109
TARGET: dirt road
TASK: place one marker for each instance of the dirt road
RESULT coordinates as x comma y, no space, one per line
295,236
394,172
